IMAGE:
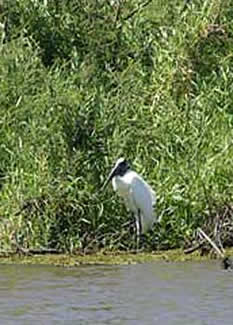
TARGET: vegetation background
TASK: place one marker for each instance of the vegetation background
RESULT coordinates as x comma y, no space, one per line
84,82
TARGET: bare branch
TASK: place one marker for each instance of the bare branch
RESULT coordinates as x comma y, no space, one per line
195,247
211,242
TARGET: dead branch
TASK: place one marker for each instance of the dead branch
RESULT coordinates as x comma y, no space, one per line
211,242
195,247
28,252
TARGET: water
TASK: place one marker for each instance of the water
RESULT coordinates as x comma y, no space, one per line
157,293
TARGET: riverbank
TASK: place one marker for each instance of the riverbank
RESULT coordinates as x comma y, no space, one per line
107,258
147,82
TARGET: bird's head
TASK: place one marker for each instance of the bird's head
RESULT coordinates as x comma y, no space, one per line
120,168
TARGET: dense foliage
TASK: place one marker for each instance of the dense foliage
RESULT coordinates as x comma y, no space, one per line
84,82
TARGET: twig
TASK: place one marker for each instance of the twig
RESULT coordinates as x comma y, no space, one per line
37,251
23,251
141,6
195,247
218,227
211,242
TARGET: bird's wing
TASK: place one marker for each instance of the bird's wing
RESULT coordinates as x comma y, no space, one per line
144,198
153,195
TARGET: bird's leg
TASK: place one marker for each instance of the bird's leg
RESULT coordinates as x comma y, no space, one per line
137,233
138,229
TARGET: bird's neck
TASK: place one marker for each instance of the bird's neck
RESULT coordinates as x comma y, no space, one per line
124,172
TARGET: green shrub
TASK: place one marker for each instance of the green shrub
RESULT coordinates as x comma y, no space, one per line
84,82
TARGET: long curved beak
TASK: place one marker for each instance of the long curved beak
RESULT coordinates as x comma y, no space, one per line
110,177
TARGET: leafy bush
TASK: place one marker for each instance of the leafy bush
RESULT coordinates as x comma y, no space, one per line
84,82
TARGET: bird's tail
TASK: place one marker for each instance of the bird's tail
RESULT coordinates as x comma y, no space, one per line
146,225
149,223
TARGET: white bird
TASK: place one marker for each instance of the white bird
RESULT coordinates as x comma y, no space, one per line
138,196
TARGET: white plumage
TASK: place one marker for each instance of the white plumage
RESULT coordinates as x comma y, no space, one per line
138,196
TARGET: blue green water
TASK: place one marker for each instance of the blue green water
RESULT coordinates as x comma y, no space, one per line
157,293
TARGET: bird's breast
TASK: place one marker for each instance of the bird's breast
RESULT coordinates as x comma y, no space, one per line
121,185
